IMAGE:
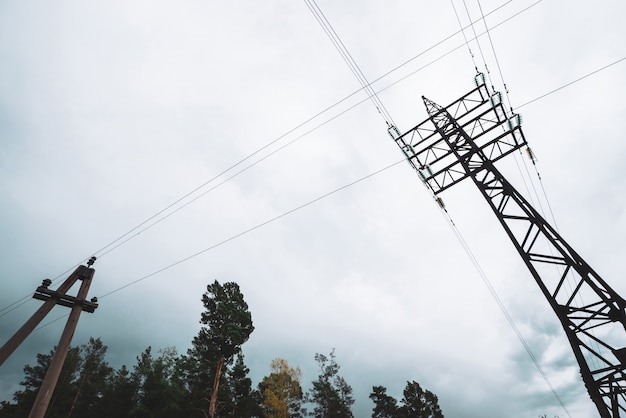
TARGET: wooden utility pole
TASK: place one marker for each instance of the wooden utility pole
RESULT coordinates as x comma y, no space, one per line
52,298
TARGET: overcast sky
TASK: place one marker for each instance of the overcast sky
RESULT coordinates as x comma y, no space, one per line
111,111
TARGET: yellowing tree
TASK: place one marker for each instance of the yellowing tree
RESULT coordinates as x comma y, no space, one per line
281,390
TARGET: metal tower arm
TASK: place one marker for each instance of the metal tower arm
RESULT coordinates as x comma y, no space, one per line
464,141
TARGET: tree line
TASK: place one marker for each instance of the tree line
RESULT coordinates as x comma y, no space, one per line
209,381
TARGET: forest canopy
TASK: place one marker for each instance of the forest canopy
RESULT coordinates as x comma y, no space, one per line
209,380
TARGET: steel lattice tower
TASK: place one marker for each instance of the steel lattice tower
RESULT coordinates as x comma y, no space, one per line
464,140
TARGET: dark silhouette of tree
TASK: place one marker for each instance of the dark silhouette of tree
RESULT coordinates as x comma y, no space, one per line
227,325
120,394
159,393
385,406
94,376
330,393
244,401
416,403
419,403
78,391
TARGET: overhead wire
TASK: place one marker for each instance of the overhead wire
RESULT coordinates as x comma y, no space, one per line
233,237
310,119
480,49
469,48
15,305
372,95
507,95
508,98
349,60
547,200
530,153
107,248
571,82
495,55
120,240
251,229
297,138
505,312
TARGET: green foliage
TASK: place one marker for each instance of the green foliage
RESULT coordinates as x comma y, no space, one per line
168,385
227,325
244,402
165,385
385,406
416,403
157,391
120,394
78,391
227,320
330,393
419,403
94,376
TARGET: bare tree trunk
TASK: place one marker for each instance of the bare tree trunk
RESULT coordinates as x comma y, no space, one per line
216,383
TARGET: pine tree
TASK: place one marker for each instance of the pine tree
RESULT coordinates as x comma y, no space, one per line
227,324
330,393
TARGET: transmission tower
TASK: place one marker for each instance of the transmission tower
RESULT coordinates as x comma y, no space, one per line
464,140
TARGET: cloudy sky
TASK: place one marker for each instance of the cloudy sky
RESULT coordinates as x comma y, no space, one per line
112,111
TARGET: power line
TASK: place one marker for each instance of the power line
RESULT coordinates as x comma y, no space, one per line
116,242
458,19
495,56
349,60
275,218
480,49
571,82
504,311
127,236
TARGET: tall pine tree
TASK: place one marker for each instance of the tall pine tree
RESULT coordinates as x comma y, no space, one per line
227,324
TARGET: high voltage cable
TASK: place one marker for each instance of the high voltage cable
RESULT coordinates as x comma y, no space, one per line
349,60
483,18
120,238
244,169
282,215
117,241
571,82
554,91
196,254
502,307
374,93
246,231
100,252
310,119
458,19
495,56
478,43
